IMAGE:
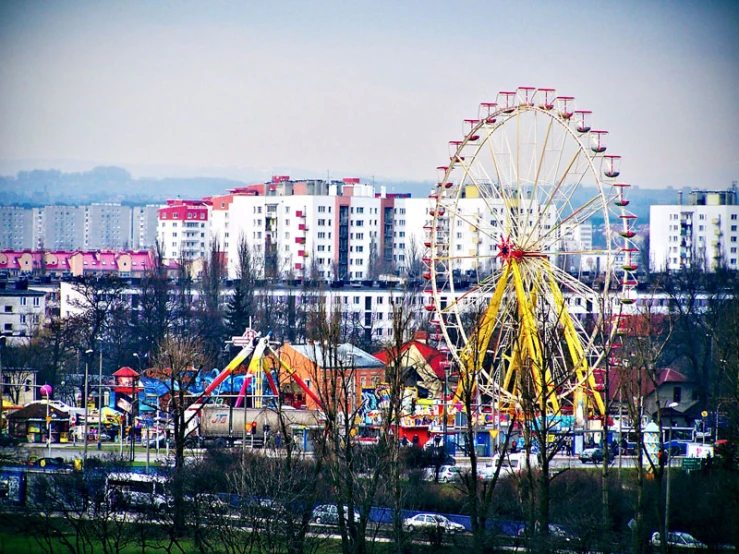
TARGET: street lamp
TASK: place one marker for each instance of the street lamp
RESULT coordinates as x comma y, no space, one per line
46,391
2,383
669,464
87,374
100,401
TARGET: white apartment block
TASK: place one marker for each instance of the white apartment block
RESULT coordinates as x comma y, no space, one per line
303,229
144,221
704,233
104,226
183,229
59,227
16,228
345,230
107,226
22,311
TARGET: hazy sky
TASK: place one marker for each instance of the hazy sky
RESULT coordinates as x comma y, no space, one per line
362,88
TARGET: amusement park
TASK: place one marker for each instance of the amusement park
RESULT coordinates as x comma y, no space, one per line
526,345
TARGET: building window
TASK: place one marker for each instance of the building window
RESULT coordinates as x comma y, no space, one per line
677,394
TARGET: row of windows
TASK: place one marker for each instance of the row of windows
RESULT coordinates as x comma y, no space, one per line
185,224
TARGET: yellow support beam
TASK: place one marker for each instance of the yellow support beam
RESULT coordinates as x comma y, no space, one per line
474,351
530,339
577,354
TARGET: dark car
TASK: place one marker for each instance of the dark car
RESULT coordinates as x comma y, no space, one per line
7,440
592,455
50,463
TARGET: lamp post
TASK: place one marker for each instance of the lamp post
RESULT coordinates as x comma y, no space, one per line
46,391
87,375
2,384
669,464
100,401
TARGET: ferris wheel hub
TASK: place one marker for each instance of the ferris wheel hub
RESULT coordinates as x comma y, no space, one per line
509,251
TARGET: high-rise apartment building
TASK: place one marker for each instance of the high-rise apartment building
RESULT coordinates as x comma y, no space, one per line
60,228
703,233
346,230
184,229
16,228
144,220
106,226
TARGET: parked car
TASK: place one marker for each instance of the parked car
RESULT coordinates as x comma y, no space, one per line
678,539
423,522
486,473
593,456
328,514
7,440
50,463
209,504
447,474
136,500
159,440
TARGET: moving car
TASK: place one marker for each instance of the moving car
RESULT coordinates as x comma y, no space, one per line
592,455
447,474
421,522
328,514
678,539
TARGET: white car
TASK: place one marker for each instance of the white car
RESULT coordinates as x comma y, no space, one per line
421,522
679,539
447,474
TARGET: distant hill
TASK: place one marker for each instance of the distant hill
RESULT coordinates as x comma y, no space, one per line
115,184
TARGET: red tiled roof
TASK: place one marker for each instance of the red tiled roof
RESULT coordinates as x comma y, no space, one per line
432,356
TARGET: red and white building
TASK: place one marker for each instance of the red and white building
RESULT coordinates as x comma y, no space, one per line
183,230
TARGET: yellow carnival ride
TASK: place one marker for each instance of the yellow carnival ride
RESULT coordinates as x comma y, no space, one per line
528,236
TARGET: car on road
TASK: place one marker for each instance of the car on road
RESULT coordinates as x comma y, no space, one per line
328,514
7,440
50,463
592,455
432,522
157,441
207,504
678,539
447,474
136,500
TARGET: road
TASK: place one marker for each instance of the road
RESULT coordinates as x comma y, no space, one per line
156,456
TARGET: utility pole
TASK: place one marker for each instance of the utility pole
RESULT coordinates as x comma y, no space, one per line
87,375
100,401
2,383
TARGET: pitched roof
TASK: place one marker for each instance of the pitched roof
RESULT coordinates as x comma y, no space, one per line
665,376
435,358
345,353
125,371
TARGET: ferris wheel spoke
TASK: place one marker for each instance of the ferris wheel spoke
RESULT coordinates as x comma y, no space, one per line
577,217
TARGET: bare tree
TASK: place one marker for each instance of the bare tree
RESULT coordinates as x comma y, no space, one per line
645,337
179,359
334,374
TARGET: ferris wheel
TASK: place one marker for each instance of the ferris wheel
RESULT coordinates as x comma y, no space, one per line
528,237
